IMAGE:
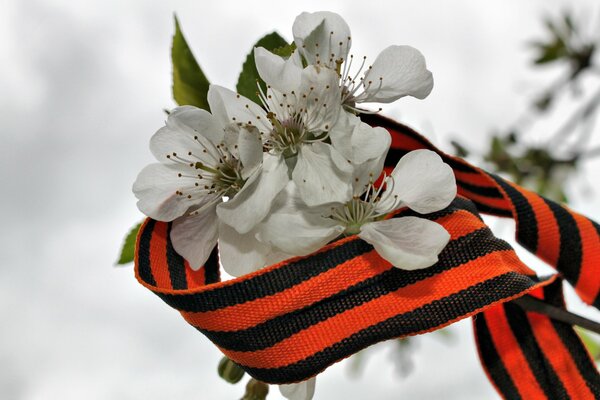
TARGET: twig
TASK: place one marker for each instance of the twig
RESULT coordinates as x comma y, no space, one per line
529,303
578,116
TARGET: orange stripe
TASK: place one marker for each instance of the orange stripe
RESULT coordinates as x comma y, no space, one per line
479,178
403,142
559,357
356,270
251,313
158,256
513,358
588,283
326,333
548,232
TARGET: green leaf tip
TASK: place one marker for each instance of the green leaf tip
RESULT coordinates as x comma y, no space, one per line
246,85
190,85
128,249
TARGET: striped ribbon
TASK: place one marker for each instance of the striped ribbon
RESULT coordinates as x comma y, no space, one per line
290,321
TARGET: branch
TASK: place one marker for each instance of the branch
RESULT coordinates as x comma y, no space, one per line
529,303
578,116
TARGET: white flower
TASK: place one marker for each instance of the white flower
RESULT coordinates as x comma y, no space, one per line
323,38
302,106
203,160
421,181
299,391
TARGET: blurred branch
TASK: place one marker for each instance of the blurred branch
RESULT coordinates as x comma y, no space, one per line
533,304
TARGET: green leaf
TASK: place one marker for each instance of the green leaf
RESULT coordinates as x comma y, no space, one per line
190,86
128,250
590,342
285,51
246,84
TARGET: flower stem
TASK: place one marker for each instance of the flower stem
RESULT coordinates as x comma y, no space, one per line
532,304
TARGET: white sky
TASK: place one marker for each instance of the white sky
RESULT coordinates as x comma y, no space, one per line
83,87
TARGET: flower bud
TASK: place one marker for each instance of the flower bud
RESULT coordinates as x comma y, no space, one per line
256,390
230,371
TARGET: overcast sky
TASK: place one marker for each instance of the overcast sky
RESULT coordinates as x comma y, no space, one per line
83,86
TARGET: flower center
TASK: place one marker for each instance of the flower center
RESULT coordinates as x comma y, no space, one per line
365,208
295,120
218,173
287,135
354,214
354,86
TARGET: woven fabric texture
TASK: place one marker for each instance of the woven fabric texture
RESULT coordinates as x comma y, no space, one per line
292,320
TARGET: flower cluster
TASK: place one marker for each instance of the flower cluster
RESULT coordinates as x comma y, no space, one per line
285,177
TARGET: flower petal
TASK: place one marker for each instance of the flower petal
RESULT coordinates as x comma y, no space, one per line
299,391
195,236
322,175
322,37
320,97
188,130
407,242
423,182
230,107
252,204
194,120
310,230
156,187
284,75
241,254
357,141
398,71
250,149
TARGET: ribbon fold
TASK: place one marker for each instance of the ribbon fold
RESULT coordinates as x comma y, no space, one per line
292,320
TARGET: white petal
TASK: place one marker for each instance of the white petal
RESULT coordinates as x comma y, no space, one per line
323,98
250,149
366,173
322,37
251,204
241,254
188,129
195,236
299,391
398,71
358,141
322,175
407,242
230,107
156,187
195,121
423,182
294,228
283,75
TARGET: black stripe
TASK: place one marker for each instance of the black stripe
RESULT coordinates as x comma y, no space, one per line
211,268
527,234
378,120
395,154
569,256
492,361
486,191
145,237
422,319
175,263
572,342
500,212
538,363
267,334
269,283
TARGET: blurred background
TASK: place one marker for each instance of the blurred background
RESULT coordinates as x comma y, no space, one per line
83,87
